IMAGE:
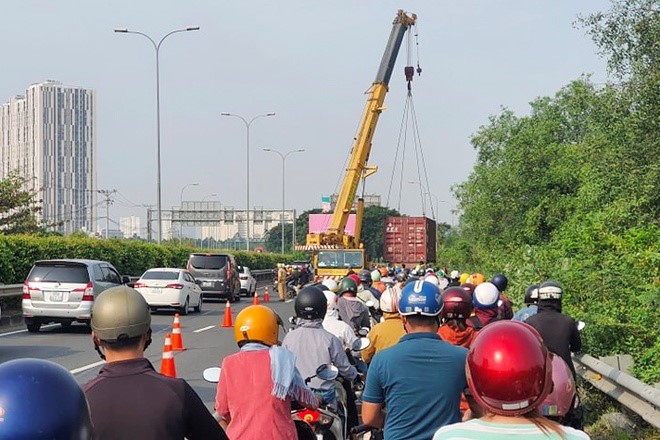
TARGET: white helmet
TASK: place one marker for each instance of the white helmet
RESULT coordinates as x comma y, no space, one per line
433,279
389,301
331,299
330,284
454,275
485,296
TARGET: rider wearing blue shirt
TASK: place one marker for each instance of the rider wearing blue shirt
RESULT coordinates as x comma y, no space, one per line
420,379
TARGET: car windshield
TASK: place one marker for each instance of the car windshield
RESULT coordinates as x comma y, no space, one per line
340,259
160,275
212,262
62,273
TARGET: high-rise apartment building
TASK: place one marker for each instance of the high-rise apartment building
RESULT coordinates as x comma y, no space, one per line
130,226
49,136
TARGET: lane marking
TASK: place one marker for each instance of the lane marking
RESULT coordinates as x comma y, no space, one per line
203,329
86,367
15,332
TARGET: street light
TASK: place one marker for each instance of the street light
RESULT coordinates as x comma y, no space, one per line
247,177
157,49
205,198
283,156
181,206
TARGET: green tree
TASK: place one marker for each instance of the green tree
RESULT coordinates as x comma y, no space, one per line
18,206
273,239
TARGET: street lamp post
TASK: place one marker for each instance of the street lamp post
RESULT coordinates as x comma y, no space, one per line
283,156
181,207
157,49
247,177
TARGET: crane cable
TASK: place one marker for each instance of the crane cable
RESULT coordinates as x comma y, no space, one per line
409,118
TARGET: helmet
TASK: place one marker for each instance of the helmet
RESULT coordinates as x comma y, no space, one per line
500,281
401,276
476,278
454,275
464,277
256,323
119,313
559,401
432,278
456,304
365,276
330,299
40,399
485,296
375,276
532,294
420,298
509,371
347,285
355,278
389,300
384,271
550,290
469,288
311,303
330,284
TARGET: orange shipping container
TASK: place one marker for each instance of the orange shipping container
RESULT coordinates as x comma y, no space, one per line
409,240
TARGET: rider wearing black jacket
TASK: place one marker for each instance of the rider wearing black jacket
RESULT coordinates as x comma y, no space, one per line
559,331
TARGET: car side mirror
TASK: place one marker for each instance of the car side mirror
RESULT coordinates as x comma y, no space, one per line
125,279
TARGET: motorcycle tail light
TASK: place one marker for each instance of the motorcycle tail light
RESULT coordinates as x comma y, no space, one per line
309,415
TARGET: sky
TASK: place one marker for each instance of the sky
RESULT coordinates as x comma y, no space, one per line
310,62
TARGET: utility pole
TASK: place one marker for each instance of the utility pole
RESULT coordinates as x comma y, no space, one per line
108,201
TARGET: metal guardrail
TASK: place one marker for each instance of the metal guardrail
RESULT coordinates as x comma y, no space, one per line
11,289
638,397
263,274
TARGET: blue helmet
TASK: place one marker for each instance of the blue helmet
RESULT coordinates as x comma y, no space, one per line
40,399
420,298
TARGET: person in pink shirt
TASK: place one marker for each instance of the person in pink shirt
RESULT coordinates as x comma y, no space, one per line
258,383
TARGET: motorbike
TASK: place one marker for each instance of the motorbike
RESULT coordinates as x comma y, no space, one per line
366,432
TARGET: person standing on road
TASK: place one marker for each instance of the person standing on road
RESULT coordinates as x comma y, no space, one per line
420,379
128,399
257,384
281,281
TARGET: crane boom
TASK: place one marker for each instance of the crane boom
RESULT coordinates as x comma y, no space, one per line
335,237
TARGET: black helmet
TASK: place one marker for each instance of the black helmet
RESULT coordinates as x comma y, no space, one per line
365,276
550,290
310,303
532,294
40,399
500,281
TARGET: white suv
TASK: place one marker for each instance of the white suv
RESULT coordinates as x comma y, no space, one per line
63,291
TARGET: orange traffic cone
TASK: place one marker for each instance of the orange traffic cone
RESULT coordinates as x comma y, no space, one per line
255,301
177,339
167,367
227,322
266,295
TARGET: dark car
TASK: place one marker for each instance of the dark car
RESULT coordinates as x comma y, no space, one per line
216,274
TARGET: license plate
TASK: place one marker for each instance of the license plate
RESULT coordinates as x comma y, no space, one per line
207,283
56,296
156,290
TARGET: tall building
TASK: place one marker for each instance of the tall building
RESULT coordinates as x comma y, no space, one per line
130,226
49,136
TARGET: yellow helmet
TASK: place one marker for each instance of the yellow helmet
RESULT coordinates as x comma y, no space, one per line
256,323
476,279
464,277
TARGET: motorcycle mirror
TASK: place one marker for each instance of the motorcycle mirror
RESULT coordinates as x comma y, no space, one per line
327,372
212,374
292,320
361,344
363,331
369,303
581,325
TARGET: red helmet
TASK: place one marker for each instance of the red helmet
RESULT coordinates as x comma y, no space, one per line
559,401
457,303
355,278
469,288
509,371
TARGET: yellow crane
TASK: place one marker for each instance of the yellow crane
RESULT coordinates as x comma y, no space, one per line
334,251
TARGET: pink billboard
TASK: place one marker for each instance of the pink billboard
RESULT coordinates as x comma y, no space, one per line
320,222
